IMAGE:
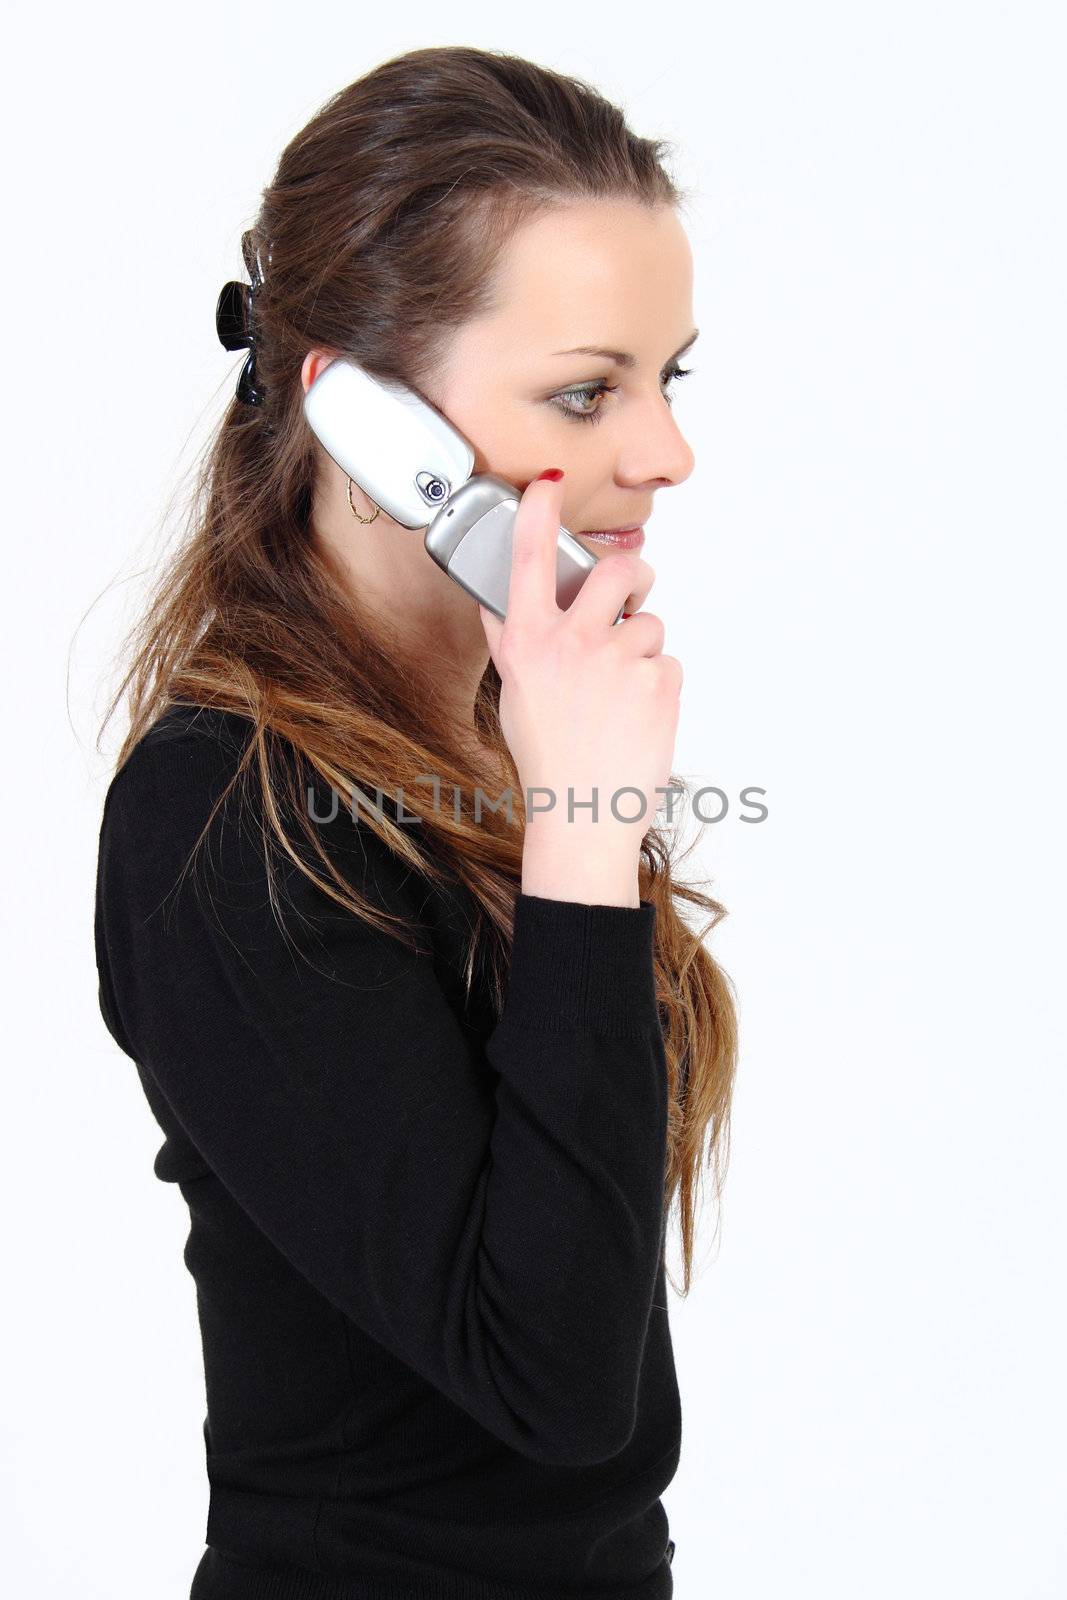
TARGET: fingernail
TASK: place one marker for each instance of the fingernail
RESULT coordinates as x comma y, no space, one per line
555,473
626,614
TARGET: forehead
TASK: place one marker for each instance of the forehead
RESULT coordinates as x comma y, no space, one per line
602,272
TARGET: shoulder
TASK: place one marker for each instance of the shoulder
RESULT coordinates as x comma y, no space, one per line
178,804
201,739
166,792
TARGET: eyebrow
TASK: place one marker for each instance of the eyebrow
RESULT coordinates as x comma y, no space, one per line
623,358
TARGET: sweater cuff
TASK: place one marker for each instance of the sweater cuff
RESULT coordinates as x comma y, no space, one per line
575,965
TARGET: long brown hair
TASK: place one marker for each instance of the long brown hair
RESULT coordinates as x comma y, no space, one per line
377,237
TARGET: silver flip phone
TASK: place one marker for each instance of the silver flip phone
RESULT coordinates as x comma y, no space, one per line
412,462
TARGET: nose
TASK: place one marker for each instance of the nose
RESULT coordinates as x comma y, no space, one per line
656,449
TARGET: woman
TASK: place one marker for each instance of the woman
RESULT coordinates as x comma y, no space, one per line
428,1090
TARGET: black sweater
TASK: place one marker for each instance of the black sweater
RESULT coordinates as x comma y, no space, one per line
427,1243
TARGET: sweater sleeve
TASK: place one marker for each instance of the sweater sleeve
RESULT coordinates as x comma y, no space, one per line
490,1212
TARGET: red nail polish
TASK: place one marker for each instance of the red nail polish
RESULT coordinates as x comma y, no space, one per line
555,473
626,614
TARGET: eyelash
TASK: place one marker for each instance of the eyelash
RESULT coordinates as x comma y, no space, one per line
592,391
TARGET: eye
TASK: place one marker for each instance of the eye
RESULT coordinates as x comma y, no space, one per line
676,372
593,392
588,392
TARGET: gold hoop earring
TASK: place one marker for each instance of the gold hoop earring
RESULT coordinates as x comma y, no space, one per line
355,513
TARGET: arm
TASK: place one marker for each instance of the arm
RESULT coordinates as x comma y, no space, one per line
498,1230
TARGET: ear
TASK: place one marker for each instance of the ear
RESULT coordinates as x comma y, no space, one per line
314,362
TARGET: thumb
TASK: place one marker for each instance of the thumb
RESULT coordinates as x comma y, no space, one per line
493,629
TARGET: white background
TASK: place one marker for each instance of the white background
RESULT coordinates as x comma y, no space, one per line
863,578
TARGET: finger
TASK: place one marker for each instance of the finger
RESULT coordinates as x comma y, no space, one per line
617,581
642,634
534,544
493,629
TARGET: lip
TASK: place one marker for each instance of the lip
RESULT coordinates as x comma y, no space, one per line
628,538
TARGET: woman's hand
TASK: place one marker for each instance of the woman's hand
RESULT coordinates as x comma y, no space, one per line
583,705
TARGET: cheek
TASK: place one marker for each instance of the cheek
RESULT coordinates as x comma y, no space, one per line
544,437
516,440
503,436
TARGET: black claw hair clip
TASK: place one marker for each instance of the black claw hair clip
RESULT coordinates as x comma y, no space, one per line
236,330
